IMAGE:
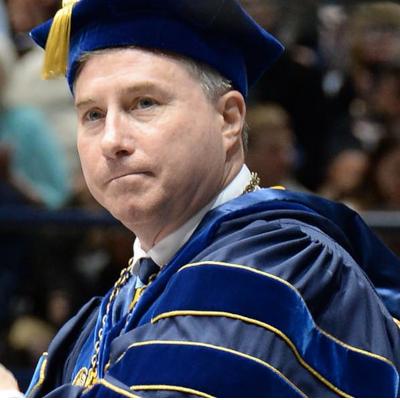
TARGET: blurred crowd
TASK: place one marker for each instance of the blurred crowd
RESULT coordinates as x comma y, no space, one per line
325,120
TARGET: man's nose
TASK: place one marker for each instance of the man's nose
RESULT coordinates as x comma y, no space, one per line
117,140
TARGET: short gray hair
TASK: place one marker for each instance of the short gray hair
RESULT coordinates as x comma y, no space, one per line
213,83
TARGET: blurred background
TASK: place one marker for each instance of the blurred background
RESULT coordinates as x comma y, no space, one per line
325,120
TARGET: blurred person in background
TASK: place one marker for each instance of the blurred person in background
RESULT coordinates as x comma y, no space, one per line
295,80
32,163
374,44
26,87
344,175
374,35
272,146
28,337
373,110
4,23
386,97
32,173
380,187
333,48
23,15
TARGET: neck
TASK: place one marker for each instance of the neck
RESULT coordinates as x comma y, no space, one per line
151,234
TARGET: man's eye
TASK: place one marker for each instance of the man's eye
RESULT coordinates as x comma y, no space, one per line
93,115
145,102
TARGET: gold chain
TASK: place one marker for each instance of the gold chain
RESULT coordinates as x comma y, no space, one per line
123,278
254,183
92,374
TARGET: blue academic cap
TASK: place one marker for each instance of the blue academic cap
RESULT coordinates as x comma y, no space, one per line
216,32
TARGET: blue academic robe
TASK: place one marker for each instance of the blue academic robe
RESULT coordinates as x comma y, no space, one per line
276,294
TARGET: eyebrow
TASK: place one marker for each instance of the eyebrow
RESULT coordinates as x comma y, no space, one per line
84,103
149,86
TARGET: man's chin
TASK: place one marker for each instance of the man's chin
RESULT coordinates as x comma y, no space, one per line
134,215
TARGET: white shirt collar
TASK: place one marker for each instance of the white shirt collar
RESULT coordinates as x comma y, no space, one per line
163,251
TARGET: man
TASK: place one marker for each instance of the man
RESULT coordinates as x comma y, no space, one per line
251,293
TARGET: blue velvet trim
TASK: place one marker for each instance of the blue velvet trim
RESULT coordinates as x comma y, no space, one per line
253,294
200,368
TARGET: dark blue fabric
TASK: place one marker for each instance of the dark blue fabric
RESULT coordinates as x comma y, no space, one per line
246,293
231,333
110,388
203,369
219,33
340,222
313,245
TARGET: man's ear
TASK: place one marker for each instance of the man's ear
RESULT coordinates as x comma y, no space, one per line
232,107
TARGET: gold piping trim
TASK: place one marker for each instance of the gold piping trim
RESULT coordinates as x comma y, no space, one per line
278,187
171,387
367,353
224,349
41,374
196,264
114,388
263,325
355,349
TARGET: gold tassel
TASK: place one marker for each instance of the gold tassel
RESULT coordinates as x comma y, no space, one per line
57,45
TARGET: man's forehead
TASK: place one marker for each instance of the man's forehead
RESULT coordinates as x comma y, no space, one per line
138,59
132,71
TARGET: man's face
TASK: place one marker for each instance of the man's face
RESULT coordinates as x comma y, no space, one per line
150,141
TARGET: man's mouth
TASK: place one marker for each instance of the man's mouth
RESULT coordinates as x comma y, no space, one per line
127,174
